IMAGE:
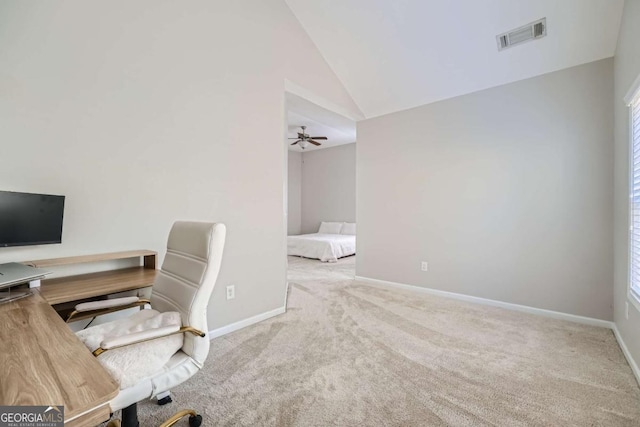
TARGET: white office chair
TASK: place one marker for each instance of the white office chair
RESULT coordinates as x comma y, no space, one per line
177,321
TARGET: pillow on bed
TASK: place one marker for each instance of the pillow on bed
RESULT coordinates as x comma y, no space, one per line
349,228
330,228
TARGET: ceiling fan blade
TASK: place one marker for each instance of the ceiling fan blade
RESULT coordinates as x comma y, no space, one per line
319,137
296,142
313,142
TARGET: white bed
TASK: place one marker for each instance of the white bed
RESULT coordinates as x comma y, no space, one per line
327,247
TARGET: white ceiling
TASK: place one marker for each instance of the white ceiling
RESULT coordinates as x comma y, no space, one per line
397,54
320,122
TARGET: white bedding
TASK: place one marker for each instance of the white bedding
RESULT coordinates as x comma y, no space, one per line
325,247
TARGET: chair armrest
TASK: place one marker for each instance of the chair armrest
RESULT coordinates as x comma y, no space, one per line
98,308
107,303
137,337
148,335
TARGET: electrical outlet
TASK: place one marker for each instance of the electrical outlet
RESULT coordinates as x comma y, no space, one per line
424,266
231,292
626,310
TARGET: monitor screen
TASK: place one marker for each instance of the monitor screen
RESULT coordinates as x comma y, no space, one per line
30,219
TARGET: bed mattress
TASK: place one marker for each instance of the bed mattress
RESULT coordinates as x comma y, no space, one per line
325,247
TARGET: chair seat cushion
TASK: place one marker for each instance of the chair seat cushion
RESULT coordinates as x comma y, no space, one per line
131,364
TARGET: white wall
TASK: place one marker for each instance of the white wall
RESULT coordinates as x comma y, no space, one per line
146,112
627,68
294,201
505,192
328,186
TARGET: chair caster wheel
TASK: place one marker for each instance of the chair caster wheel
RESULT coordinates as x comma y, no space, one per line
195,421
165,400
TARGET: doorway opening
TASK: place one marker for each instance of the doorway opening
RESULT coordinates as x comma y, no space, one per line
321,192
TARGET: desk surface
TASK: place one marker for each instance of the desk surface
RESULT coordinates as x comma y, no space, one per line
74,288
43,363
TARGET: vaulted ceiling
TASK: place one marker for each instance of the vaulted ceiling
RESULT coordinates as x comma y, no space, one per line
393,55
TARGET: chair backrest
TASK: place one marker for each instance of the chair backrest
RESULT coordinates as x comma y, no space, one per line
188,275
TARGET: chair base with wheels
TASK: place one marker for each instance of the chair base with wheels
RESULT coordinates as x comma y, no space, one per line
130,418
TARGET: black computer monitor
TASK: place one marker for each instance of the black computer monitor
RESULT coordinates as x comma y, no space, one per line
30,219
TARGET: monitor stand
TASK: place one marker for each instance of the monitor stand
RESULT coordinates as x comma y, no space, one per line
7,296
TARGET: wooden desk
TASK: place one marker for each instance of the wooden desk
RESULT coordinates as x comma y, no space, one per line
83,286
43,363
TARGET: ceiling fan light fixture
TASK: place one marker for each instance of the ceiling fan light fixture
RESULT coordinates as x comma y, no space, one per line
304,139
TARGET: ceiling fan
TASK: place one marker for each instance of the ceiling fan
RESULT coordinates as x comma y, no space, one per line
304,139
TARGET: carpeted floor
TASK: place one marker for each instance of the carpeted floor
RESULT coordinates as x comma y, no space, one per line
350,354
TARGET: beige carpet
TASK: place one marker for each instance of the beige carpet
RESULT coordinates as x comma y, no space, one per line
350,354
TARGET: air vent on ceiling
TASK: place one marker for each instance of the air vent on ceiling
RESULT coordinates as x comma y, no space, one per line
535,30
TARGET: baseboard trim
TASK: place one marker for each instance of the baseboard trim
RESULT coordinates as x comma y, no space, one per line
246,322
494,303
627,353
